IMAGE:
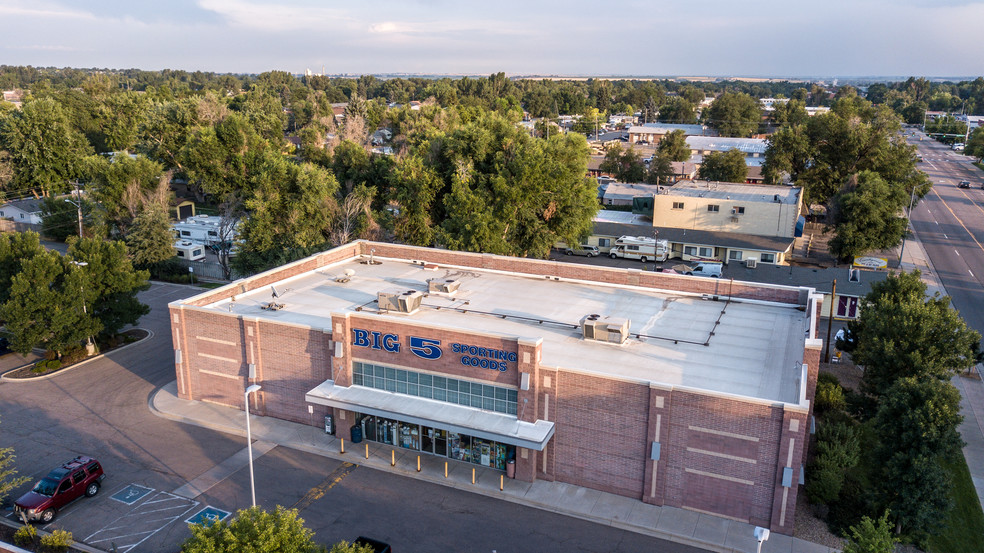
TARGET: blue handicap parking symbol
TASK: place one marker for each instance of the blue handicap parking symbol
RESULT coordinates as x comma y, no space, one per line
207,516
131,494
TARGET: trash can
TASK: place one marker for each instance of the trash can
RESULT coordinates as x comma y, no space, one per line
356,434
511,468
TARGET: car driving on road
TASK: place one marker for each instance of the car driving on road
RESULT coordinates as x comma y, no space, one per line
63,485
963,184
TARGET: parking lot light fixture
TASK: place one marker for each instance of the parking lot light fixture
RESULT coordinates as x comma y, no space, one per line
89,348
249,442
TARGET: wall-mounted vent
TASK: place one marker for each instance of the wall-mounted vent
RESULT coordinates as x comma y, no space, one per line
447,286
400,302
605,329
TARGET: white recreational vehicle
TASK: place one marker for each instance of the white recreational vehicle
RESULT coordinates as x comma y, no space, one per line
641,248
205,229
189,250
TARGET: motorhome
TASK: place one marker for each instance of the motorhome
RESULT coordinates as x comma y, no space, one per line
640,247
189,250
205,229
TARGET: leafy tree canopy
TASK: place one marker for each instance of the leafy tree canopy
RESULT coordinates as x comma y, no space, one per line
734,114
724,166
674,147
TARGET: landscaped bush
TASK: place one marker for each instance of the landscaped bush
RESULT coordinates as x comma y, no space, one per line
25,536
46,365
837,451
74,356
829,395
58,542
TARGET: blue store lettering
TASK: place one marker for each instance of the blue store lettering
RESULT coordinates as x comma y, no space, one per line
471,356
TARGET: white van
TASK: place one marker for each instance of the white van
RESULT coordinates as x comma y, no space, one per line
191,251
706,269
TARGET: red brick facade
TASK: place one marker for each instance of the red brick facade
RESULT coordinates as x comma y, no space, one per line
719,454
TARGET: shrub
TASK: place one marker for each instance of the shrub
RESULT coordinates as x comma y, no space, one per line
58,542
44,366
74,355
25,535
829,396
837,451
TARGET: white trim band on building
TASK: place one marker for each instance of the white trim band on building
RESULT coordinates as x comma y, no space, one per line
455,418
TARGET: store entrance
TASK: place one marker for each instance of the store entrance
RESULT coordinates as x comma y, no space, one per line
436,441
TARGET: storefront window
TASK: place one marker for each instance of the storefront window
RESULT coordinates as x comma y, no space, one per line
436,441
440,388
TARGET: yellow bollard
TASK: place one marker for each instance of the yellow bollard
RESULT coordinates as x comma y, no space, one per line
473,476
418,463
393,458
501,481
445,469
367,451
343,445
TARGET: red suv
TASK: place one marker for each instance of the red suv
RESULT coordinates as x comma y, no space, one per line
78,477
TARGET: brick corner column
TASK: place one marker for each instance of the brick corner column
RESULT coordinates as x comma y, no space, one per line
658,432
791,444
182,359
528,405
341,354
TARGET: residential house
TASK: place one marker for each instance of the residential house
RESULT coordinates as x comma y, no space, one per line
22,211
618,193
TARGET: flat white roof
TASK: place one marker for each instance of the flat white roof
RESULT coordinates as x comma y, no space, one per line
745,348
760,193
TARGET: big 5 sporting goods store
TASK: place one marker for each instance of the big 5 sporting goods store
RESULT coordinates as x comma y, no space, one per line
683,391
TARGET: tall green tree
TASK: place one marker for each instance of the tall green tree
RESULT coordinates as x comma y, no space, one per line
674,147
415,189
45,149
623,163
975,145
660,169
225,157
253,530
60,217
868,217
734,114
119,184
47,305
112,281
150,239
513,194
724,166
292,209
902,333
15,250
917,424
677,110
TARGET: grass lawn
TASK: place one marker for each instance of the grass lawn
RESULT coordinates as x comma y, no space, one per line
964,526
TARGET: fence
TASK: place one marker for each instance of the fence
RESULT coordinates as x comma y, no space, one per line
210,270
6,225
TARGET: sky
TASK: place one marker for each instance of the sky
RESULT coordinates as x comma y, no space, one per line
724,38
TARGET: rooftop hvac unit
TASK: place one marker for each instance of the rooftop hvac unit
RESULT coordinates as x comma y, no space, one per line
607,329
400,302
447,286
751,263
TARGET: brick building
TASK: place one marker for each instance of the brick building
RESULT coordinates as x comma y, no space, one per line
681,391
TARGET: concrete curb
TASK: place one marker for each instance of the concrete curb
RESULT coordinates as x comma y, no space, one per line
75,544
355,460
3,377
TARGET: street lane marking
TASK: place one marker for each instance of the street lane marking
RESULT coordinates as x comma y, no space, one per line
948,208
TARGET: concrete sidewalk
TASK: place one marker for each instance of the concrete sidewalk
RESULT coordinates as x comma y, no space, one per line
971,387
678,525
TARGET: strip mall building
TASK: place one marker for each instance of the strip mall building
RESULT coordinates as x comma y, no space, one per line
682,391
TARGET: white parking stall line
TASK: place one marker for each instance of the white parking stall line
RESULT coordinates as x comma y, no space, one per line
133,528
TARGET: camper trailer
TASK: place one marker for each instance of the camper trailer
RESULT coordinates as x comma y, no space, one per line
205,229
189,250
641,248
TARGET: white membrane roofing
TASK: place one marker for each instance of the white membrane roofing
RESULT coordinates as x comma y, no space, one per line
756,349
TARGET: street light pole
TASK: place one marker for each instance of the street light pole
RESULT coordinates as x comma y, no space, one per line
78,205
89,348
249,442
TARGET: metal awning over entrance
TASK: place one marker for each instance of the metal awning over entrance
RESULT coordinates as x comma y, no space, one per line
427,412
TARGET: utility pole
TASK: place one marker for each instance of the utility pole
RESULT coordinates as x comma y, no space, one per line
830,320
78,205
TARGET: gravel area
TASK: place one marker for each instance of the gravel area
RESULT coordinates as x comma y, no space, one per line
810,528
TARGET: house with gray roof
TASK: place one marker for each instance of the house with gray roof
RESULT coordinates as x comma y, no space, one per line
22,211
